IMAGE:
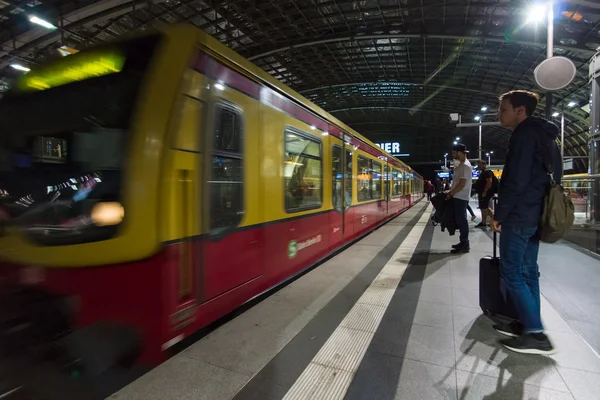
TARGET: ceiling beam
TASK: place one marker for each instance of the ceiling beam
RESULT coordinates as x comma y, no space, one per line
462,89
380,108
350,38
88,15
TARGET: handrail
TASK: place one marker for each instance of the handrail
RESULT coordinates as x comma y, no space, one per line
581,178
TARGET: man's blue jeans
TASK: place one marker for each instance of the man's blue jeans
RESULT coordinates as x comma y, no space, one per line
519,273
460,214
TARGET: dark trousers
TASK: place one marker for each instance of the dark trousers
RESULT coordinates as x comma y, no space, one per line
429,196
460,214
470,210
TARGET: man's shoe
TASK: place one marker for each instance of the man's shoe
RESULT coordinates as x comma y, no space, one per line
481,225
513,329
460,250
530,343
456,246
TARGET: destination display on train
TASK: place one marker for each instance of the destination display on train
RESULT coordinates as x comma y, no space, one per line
72,69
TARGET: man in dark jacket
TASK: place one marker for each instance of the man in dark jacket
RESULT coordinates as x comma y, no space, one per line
521,193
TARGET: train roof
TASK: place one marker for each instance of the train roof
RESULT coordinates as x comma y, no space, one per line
232,56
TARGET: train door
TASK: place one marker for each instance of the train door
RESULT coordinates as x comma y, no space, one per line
348,185
386,187
232,242
336,219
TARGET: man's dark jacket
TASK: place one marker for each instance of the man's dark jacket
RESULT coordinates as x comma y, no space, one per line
444,213
524,179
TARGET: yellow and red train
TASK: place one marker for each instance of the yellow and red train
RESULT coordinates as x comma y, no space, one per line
164,180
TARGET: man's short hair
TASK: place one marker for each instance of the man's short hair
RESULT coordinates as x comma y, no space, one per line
481,161
522,98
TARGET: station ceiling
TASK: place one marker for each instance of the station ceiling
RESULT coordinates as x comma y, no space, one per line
392,69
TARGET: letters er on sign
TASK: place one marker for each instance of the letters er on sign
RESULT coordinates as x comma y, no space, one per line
392,148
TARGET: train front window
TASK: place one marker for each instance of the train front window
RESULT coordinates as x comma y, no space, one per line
64,135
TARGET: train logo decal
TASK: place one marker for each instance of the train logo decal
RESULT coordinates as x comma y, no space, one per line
294,247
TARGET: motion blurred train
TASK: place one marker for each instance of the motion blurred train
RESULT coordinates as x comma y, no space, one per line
163,181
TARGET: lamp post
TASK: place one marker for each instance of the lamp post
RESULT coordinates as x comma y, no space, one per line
479,119
446,161
489,156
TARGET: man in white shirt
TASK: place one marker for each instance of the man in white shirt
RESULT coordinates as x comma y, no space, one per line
461,192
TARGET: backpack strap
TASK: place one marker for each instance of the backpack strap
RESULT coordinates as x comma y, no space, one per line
547,151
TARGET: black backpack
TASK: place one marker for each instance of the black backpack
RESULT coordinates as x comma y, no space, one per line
495,185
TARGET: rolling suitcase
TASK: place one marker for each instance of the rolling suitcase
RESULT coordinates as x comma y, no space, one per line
491,299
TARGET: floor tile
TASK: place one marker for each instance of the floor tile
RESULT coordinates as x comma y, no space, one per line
465,297
438,280
376,378
184,378
478,351
473,386
420,380
431,345
436,294
583,385
468,282
573,352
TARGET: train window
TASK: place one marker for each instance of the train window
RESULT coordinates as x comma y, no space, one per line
336,173
348,178
228,130
396,183
302,171
364,179
227,170
376,183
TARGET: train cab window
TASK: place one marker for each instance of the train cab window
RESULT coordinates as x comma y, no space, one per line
348,178
227,170
376,183
302,171
336,173
364,179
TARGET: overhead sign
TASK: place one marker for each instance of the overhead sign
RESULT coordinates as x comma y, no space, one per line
391,147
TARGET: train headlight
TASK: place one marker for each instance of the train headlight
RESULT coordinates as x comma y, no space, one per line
107,213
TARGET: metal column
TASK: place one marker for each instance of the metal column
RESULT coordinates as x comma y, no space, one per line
594,144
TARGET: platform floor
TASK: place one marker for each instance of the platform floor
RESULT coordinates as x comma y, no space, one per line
395,316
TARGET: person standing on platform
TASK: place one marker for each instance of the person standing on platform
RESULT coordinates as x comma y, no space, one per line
461,193
484,187
429,189
521,194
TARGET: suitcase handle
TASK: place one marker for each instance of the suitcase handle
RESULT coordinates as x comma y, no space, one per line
494,234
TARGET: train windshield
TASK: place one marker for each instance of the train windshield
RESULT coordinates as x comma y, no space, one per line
64,133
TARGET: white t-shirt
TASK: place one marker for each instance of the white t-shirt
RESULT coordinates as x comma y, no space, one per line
463,171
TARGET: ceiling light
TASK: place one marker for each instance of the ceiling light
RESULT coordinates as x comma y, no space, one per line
41,22
572,104
455,142
457,138
537,13
20,67
477,118
484,108
555,114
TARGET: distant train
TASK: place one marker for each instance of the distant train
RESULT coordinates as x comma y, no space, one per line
163,181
